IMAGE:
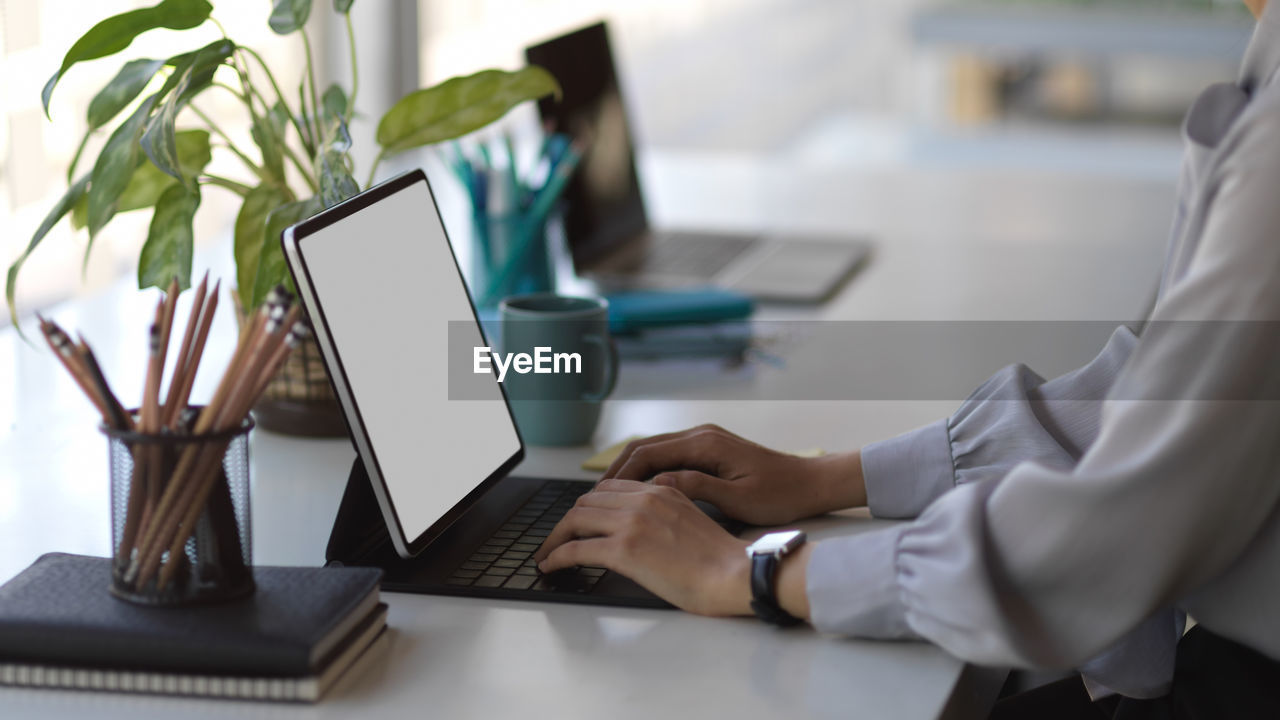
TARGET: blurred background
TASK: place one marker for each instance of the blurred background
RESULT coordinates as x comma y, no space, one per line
843,94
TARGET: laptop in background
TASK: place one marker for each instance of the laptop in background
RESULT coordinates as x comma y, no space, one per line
606,225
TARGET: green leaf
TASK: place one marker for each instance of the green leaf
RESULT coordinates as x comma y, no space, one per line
267,139
279,118
204,64
336,183
334,102
289,15
459,105
159,140
115,165
149,182
121,91
251,224
118,31
64,204
75,159
342,6
170,241
271,266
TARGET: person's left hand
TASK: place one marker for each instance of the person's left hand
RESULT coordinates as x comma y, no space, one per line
659,538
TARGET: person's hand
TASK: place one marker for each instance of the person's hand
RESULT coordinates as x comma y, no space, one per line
657,537
746,481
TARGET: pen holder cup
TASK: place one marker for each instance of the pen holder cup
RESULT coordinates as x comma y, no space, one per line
180,532
512,254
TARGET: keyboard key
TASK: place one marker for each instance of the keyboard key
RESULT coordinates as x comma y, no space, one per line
485,558
506,563
466,574
493,548
520,582
592,571
523,547
541,584
505,535
525,570
458,581
490,581
513,555
537,533
500,571
516,527
469,565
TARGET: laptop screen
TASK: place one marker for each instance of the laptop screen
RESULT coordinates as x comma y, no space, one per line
386,299
604,205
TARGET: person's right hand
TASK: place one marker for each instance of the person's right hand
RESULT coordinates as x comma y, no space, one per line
748,482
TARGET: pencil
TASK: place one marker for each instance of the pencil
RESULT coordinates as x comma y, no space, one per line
170,407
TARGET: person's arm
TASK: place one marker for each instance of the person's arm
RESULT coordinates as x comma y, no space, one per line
1050,566
1014,417
1046,567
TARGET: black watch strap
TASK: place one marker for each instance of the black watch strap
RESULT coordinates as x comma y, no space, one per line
764,600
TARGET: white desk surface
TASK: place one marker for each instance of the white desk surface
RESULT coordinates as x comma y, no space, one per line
957,247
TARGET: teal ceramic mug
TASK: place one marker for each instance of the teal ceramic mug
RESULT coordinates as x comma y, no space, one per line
560,365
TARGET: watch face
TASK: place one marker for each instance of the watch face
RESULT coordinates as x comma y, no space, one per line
778,542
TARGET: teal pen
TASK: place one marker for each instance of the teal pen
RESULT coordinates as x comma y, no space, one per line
555,185
518,191
458,166
534,218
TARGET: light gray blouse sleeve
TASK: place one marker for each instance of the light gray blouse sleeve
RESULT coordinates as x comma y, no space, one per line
1051,566
1015,416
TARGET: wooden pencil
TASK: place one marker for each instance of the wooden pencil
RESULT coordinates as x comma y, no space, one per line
170,405
193,361
156,536
170,488
63,350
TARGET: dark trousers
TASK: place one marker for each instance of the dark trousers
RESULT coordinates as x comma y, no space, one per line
1214,678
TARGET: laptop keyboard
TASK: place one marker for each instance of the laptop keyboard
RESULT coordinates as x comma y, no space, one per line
505,560
692,255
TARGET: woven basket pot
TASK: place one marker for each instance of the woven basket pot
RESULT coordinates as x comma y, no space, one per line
299,400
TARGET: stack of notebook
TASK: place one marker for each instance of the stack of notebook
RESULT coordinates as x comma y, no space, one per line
302,630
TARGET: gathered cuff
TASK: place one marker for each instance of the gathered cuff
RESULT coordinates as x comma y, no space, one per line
904,474
852,586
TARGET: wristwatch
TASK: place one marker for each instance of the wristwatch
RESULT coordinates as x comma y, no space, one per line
765,555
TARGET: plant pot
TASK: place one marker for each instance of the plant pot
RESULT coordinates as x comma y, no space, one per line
299,400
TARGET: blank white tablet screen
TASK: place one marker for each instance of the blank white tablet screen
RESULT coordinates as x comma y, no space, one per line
388,288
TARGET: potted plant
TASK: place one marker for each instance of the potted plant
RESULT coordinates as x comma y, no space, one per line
157,155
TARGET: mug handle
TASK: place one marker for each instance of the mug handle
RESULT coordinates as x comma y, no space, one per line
610,367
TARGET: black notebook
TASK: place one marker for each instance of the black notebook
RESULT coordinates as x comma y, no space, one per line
289,641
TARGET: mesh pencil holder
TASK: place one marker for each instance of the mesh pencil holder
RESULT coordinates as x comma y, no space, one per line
180,532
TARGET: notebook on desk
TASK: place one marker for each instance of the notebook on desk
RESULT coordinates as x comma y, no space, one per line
301,631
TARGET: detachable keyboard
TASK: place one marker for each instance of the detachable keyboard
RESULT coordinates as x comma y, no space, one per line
506,559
